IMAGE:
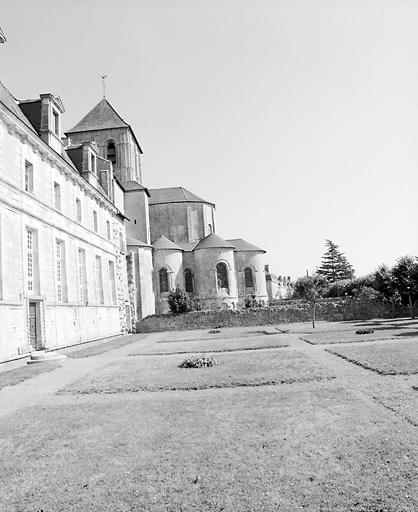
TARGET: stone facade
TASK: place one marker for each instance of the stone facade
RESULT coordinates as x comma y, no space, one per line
86,250
62,280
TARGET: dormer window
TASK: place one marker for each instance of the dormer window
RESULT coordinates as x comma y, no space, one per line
111,152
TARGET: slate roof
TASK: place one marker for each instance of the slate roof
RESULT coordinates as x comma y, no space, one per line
187,246
129,186
174,195
10,102
134,241
213,241
102,117
242,245
164,243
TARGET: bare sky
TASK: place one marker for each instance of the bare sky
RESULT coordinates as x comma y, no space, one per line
297,118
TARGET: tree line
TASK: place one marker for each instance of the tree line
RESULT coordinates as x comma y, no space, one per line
335,278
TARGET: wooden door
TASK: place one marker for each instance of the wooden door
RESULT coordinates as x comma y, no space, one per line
32,325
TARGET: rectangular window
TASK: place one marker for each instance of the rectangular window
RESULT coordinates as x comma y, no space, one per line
99,280
82,277
93,163
29,246
56,123
121,242
78,210
1,267
61,271
108,230
28,177
95,222
112,281
57,196
32,262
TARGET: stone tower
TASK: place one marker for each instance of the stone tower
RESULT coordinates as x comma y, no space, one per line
114,139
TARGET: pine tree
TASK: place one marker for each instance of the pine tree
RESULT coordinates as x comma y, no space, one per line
335,265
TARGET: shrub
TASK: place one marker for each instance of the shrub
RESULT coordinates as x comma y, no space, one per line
365,331
250,301
179,301
198,362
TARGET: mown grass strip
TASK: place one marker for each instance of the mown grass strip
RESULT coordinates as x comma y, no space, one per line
215,385
18,375
244,349
395,358
101,348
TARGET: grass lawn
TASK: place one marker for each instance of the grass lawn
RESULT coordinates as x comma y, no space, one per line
262,431
280,448
214,334
219,345
96,349
153,373
18,375
392,358
351,336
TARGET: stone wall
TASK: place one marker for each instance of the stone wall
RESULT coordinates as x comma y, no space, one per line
207,289
179,222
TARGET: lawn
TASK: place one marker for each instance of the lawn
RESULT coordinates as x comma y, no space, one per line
324,338
214,334
203,345
156,373
96,349
283,448
18,375
262,431
389,358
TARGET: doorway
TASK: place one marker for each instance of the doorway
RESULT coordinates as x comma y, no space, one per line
34,325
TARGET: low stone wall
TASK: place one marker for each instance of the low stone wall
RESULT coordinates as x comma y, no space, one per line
292,311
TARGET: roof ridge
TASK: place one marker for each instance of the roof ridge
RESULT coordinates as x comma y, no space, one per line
4,87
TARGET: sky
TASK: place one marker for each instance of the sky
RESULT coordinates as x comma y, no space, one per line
297,118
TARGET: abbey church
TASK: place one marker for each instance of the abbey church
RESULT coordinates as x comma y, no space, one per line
86,249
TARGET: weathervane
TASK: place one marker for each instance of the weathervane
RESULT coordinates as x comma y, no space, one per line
104,85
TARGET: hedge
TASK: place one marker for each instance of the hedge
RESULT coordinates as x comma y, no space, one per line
288,312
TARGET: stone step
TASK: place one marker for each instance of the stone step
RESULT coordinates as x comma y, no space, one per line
41,356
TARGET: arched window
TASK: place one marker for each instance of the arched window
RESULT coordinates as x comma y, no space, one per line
249,281
163,276
111,152
222,276
188,280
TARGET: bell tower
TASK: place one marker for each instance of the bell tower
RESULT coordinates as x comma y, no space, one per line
114,138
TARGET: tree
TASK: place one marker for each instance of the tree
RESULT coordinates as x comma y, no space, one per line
384,284
335,266
311,289
405,277
179,301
